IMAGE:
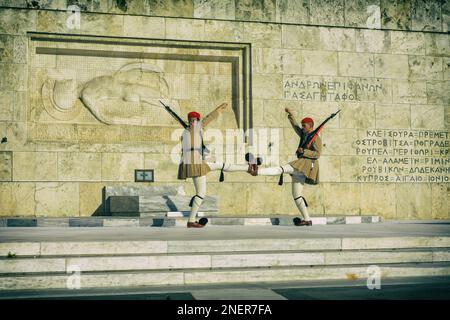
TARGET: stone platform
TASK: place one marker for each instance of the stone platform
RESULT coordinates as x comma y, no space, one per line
177,218
42,258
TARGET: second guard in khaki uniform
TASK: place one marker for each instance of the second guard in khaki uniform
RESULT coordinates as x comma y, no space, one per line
303,170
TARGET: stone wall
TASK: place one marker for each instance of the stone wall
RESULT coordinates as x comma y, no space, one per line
391,85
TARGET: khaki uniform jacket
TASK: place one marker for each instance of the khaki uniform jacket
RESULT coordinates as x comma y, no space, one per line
192,163
308,163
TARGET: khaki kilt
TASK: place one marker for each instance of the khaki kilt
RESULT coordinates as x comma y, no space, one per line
192,170
309,166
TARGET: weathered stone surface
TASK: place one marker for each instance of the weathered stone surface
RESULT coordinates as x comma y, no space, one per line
375,41
5,166
185,29
22,222
396,14
122,222
425,67
6,105
446,16
391,66
440,207
20,106
181,203
230,205
35,166
351,168
67,195
120,166
90,198
342,199
301,37
319,63
407,42
79,166
54,21
413,201
262,35
378,199
337,39
172,8
332,138
267,86
438,93
20,248
6,48
53,222
264,10
214,9
427,117
146,191
330,169
409,91
437,44
32,265
393,116
85,222
356,64
13,77
18,199
362,13
102,247
426,15
146,27
327,12
224,31
357,115
446,68
17,21
293,11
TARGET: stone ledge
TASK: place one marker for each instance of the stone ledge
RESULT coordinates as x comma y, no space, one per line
176,218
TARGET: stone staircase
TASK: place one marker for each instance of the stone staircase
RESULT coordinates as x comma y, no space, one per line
48,264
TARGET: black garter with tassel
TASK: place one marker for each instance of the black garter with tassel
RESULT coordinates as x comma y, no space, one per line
222,176
280,182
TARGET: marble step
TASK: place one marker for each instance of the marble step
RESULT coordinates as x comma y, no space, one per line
89,248
226,276
175,218
219,261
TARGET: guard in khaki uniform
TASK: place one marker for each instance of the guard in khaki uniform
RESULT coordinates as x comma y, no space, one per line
303,170
193,164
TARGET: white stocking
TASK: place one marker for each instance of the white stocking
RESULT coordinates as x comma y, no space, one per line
298,180
200,193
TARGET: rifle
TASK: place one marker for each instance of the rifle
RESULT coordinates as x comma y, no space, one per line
184,125
173,114
308,139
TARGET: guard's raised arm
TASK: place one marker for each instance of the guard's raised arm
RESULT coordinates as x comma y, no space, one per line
213,115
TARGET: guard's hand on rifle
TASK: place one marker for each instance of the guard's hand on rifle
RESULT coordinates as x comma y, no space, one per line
289,111
300,150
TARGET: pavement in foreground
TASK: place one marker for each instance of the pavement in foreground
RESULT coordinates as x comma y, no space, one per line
391,289
384,229
424,288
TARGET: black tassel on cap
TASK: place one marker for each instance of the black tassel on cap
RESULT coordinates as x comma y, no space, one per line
222,176
280,182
